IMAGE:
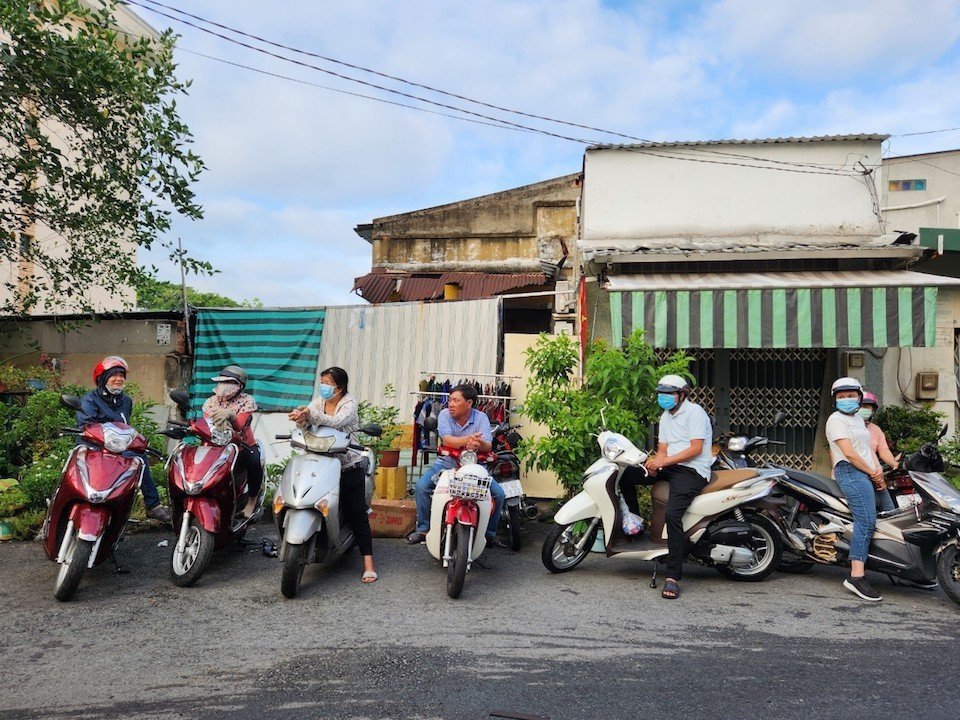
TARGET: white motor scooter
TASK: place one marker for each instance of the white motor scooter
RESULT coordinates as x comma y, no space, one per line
306,506
724,525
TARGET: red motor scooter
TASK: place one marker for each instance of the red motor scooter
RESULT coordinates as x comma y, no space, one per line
207,492
89,510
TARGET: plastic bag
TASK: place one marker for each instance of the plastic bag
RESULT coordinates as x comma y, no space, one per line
632,524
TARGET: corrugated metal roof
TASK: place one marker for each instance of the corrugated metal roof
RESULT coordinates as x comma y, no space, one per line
777,280
378,287
867,137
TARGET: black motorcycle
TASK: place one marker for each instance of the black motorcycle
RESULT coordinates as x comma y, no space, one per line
506,471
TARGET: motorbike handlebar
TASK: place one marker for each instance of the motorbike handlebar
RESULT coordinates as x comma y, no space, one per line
282,437
155,453
71,430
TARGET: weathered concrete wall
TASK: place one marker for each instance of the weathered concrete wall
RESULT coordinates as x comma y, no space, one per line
157,367
509,231
942,174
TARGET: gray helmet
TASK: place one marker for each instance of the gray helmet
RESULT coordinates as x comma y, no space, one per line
232,373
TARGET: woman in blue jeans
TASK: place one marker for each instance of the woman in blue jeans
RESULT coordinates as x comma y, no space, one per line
856,470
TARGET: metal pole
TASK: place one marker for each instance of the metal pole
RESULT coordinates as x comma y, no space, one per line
183,290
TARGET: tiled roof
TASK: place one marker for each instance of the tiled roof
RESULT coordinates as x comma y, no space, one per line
378,287
866,137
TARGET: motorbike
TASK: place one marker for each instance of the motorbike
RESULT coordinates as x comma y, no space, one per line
88,512
459,513
733,452
725,525
306,507
917,545
505,469
208,492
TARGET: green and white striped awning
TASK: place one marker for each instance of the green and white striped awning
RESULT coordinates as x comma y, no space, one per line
277,348
778,310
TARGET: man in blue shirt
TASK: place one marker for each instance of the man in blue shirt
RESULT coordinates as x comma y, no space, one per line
460,426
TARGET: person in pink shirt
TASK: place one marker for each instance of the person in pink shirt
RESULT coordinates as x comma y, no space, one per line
878,444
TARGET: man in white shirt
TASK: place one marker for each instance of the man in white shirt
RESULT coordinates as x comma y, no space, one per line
684,459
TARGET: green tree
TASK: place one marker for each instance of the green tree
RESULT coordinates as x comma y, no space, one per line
153,294
619,382
92,150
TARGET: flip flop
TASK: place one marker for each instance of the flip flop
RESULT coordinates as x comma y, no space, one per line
369,577
671,590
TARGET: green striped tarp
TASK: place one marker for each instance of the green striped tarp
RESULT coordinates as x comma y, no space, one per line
778,318
277,348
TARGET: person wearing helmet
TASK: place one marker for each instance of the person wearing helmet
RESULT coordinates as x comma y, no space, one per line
878,443
108,402
683,458
231,407
856,470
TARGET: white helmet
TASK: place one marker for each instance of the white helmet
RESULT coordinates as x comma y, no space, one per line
672,384
846,383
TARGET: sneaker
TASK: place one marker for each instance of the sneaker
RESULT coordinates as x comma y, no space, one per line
159,512
862,589
495,542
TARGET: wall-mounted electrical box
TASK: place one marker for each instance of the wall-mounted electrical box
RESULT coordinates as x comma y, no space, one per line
855,360
927,383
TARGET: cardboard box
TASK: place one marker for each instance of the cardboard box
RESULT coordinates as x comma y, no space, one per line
392,518
391,483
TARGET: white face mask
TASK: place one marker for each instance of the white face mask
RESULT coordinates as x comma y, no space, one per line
115,390
227,390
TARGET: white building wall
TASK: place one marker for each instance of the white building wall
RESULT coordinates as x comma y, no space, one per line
633,195
941,171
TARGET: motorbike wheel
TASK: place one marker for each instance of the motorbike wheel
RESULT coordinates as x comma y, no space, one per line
767,551
457,569
948,571
186,567
559,552
72,567
513,526
294,561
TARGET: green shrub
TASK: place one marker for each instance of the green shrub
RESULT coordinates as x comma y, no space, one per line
909,428
40,478
26,525
12,500
37,425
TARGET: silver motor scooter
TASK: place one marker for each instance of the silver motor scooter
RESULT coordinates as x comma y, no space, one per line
307,508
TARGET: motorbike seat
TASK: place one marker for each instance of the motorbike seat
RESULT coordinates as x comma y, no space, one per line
726,479
816,481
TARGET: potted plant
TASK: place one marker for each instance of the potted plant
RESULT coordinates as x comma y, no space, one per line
386,417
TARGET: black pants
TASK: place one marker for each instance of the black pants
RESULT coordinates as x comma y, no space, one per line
249,459
628,487
354,503
685,484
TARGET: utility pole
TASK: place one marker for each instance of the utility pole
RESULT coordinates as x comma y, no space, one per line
183,290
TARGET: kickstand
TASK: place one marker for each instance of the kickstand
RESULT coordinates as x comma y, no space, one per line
653,578
118,570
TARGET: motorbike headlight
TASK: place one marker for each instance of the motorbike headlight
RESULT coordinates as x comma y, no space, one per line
737,444
468,457
116,440
277,503
192,488
612,449
220,437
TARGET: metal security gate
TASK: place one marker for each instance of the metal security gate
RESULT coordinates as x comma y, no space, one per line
743,390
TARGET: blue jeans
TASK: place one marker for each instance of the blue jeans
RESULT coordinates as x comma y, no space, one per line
148,487
859,492
884,501
424,495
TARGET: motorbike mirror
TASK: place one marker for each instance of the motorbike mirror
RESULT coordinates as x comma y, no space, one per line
181,399
943,431
430,424
70,401
779,417
603,420
372,429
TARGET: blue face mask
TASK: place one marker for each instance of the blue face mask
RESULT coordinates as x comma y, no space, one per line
327,391
666,401
848,406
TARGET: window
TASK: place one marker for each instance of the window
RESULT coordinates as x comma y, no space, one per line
902,185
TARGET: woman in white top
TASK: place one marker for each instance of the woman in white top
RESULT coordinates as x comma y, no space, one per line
855,468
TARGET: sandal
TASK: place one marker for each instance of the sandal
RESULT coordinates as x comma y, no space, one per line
671,590
368,577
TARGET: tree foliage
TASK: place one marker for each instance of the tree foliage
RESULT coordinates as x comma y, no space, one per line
153,294
95,158
619,382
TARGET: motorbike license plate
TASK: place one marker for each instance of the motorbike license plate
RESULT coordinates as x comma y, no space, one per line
512,488
908,500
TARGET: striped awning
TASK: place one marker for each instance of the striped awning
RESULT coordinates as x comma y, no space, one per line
778,310
277,348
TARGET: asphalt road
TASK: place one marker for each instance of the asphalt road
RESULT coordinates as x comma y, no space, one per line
593,643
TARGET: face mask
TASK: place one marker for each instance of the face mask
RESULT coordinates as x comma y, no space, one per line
327,391
848,406
865,412
666,401
226,390
115,390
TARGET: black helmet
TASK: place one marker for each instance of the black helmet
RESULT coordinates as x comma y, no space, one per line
232,373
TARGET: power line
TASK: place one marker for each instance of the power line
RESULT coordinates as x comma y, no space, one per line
680,154
928,132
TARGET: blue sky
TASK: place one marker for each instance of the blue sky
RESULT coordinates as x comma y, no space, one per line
293,168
